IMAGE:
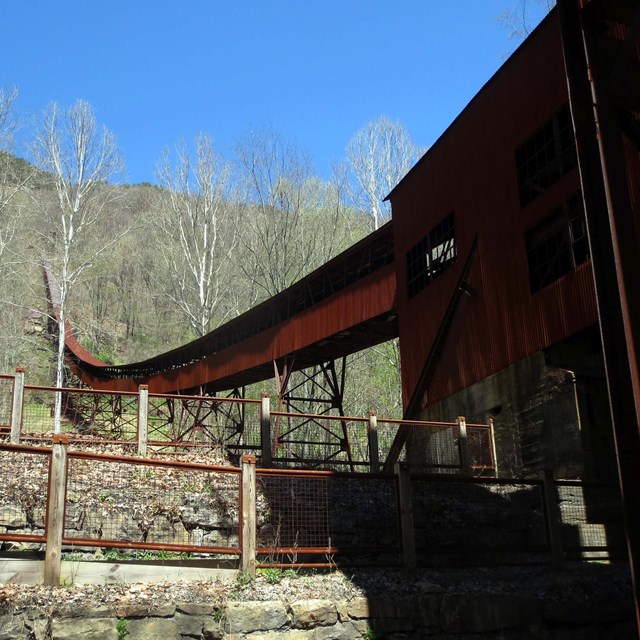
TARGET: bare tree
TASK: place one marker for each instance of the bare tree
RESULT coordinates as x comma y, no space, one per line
82,158
379,155
197,230
519,19
11,182
292,222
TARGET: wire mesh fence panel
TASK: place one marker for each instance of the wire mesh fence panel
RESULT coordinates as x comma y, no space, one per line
240,425
203,422
387,432
325,518
480,450
6,397
101,415
471,521
592,521
435,448
37,411
320,442
23,493
118,502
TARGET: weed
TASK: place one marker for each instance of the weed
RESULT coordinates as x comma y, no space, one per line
121,628
244,579
114,555
274,575
218,615
369,634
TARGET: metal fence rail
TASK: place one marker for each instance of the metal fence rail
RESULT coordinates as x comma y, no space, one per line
23,493
82,501
89,413
141,504
178,423
321,441
188,422
320,518
444,447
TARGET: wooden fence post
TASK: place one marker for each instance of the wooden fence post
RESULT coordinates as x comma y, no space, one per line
552,518
17,405
492,444
143,418
248,509
405,508
463,445
374,451
265,430
56,496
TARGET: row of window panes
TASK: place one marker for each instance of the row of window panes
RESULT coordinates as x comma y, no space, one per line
432,255
557,245
548,155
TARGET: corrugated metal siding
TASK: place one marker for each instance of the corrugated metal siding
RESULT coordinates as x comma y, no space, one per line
471,171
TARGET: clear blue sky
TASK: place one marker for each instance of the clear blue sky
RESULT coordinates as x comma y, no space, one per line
314,70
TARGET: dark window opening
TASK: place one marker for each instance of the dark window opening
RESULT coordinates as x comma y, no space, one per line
435,253
557,245
548,155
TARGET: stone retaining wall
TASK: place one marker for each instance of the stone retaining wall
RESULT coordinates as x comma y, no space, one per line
441,616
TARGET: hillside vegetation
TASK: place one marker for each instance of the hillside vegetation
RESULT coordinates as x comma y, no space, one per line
150,267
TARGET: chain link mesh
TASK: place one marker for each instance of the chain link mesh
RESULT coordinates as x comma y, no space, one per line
152,506
302,517
23,493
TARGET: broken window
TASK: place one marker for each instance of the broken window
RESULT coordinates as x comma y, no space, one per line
435,253
557,245
548,155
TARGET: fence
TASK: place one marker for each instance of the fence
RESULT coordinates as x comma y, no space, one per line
146,422
76,501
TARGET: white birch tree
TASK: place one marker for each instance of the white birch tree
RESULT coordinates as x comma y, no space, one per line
378,156
82,158
197,232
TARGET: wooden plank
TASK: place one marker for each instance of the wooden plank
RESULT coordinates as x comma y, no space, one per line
21,571
74,572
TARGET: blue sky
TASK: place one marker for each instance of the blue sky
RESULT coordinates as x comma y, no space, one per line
314,71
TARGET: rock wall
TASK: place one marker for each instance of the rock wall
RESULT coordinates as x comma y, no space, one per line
427,614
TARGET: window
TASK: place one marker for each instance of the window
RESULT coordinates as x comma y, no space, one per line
435,253
548,155
557,245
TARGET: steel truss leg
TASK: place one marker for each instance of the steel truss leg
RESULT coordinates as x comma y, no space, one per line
312,393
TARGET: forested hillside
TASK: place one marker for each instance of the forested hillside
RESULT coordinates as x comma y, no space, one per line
144,268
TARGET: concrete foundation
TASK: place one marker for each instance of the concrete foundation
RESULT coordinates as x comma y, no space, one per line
550,411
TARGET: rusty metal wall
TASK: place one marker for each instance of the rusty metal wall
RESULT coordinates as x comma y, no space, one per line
471,170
